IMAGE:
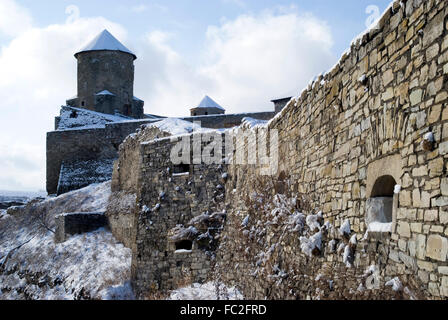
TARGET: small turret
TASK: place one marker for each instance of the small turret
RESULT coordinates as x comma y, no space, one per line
207,107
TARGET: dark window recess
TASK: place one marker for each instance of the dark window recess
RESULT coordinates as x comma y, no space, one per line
384,187
83,103
380,205
181,168
206,113
184,245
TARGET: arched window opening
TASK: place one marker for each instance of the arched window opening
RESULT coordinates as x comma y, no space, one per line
384,187
380,206
184,245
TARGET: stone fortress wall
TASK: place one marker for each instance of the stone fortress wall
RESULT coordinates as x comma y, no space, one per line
373,132
178,218
377,119
77,145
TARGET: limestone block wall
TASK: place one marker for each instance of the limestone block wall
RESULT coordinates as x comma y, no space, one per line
71,146
75,145
102,143
169,197
361,125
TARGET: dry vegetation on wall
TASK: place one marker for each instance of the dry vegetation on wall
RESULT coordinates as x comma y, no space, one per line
274,250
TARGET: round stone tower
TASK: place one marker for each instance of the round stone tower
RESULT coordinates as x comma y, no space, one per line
106,78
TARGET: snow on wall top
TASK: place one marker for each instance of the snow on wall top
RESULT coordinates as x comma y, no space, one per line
208,102
105,41
76,118
176,126
323,77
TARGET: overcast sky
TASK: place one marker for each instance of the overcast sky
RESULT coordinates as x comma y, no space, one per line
242,53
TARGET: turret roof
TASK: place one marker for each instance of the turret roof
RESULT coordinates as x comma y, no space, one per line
208,102
105,41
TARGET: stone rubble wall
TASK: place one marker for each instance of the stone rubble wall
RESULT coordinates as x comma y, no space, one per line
169,200
68,224
123,206
366,118
75,145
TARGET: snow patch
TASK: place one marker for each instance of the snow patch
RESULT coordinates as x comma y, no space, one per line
345,229
379,227
72,118
395,283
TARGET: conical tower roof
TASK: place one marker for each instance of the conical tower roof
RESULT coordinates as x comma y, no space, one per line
105,41
208,102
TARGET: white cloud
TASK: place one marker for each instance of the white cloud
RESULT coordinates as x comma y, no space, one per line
14,19
245,62
257,58
21,166
38,74
167,83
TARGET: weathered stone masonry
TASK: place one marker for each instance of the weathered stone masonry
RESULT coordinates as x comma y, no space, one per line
171,196
377,120
76,145
362,122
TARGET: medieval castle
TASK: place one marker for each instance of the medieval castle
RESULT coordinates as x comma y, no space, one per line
361,189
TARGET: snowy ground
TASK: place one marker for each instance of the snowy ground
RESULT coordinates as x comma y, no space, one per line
207,291
33,266
88,266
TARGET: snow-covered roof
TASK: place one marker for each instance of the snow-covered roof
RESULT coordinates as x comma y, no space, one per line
105,41
208,102
105,93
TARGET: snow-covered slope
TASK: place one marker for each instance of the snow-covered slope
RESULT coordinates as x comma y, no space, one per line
87,266
75,118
